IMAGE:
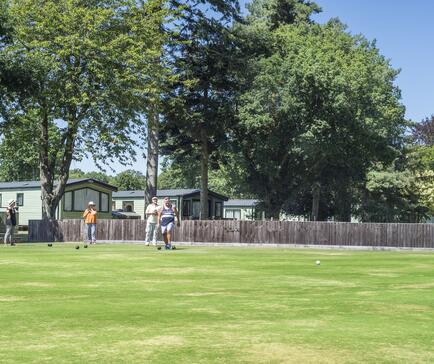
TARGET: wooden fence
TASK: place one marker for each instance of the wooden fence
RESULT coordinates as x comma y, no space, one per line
247,232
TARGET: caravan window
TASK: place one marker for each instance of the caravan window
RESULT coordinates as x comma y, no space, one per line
20,199
104,202
186,207
67,202
218,209
92,195
77,200
196,209
233,214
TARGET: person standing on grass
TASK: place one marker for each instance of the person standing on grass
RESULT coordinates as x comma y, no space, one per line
166,219
90,219
11,222
152,222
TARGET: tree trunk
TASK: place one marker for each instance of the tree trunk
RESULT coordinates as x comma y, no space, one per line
51,195
204,176
271,209
48,207
344,200
45,171
316,193
152,158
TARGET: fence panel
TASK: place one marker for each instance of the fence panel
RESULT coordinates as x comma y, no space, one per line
231,231
264,232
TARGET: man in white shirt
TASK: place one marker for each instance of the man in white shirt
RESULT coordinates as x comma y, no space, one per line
152,221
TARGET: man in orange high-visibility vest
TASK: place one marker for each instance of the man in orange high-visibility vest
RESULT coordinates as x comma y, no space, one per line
90,219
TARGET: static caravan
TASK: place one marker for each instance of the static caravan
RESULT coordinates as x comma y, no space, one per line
187,202
78,193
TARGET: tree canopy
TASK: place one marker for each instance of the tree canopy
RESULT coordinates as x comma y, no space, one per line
199,108
317,113
93,69
304,117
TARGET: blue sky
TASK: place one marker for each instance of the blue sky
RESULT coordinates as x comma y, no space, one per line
404,33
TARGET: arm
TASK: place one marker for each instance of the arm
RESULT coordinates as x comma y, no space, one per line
159,216
175,210
86,212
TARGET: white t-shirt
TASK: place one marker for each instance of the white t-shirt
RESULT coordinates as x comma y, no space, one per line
152,209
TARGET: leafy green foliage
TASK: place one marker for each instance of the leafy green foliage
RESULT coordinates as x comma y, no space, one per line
423,132
199,108
19,150
94,64
321,109
226,178
274,13
128,180
180,175
392,196
78,173
421,164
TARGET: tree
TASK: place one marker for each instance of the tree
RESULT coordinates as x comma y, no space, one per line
227,178
256,145
19,160
164,80
275,13
421,167
153,125
423,132
317,113
392,195
200,106
403,191
180,174
129,180
421,160
93,66
78,174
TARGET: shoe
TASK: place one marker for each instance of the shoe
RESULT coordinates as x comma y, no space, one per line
147,243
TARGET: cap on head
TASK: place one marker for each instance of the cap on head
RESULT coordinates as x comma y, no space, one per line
11,202
91,203
154,198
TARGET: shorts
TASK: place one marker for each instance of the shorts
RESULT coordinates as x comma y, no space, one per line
167,228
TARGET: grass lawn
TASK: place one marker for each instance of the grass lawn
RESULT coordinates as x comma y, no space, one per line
132,304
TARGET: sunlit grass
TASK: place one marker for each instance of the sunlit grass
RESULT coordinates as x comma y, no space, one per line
132,304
